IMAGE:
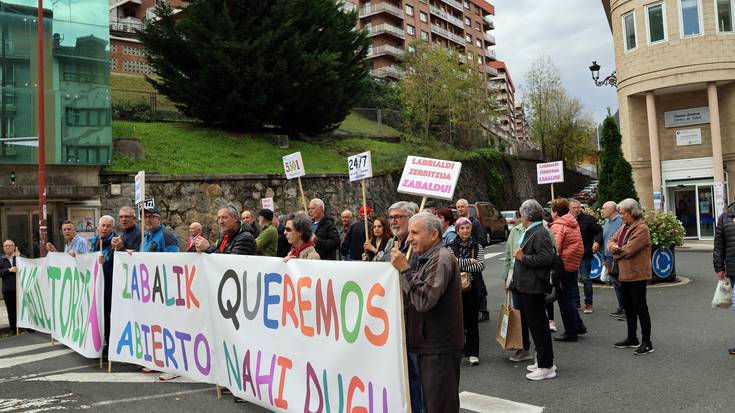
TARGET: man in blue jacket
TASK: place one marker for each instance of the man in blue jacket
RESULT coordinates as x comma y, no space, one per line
613,221
157,237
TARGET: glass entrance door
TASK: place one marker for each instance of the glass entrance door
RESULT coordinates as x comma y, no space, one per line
705,203
21,226
685,209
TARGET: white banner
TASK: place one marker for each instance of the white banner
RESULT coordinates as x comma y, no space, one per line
63,295
296,336
434,178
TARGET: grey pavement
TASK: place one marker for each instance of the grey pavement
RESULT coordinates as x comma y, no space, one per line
690,370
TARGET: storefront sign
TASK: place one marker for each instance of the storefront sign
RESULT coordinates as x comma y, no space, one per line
549,173
693,116
686,137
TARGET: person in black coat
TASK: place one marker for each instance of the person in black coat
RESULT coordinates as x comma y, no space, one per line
326,236
8,272
532,262
235,237
354,243
592,239
723,255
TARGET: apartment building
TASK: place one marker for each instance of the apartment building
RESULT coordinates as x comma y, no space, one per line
675,62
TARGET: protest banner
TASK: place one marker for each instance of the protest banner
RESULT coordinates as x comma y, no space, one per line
267,203
63,295
293,165
360,167
297,336
550,173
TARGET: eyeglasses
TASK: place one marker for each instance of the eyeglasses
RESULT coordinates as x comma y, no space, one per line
396,217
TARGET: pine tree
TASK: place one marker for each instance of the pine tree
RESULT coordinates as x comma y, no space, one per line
616,174
298,65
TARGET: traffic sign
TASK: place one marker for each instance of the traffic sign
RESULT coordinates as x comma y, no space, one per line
662,262
596,265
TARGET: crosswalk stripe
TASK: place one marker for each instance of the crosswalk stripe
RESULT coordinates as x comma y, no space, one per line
151,397
36,405
492,255
22,349
44,373
125,377
29,358
481,403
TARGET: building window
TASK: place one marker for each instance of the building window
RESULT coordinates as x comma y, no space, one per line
467,21
409,10
410,30
468,38
656,23
479,59
478,42
629,35
466,4
424,35
479,27
691,20
423,17
470,56
725,11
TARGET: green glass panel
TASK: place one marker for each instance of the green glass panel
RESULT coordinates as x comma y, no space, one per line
656,23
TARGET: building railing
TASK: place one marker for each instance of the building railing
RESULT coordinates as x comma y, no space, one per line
370,9
491,70
385,49
447,34
490,20
490,38
128,24
454,3
385,28
491,54
446,16
387,71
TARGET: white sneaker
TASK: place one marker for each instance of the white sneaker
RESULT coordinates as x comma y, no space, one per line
541,374
474,361
552,325
521,355
534,367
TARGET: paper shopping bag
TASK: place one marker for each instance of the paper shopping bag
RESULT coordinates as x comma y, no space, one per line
508,333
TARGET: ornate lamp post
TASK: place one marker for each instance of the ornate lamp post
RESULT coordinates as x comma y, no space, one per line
611,80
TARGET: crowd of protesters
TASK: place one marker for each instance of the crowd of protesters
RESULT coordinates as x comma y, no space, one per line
441,260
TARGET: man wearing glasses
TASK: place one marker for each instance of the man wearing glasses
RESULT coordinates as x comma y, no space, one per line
398,215
131,235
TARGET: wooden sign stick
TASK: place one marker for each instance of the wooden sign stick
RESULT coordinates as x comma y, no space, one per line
552,192
364,209
219,391
303,197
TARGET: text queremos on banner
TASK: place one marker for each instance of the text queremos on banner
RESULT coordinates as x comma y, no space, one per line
296,336
433,178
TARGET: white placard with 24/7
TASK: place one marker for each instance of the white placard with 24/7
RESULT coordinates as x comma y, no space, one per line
293,165
429,177
360,166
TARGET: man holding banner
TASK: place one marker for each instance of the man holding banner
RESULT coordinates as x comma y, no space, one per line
102,243
8,270
434,327
131,235
235,237
157,237
73,242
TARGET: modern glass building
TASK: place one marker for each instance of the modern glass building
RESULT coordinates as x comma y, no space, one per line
76,76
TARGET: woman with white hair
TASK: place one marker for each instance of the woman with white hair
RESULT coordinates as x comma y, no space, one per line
631,249
533,258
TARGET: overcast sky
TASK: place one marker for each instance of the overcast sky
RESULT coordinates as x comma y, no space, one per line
572,32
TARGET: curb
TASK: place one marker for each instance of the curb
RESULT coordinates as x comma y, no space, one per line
682,282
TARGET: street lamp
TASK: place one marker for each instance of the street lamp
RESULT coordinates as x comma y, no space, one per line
611,80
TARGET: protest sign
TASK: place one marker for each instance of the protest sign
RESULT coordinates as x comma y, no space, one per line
550,173
267,203
360,166
63,295
428,177
293,165
296,336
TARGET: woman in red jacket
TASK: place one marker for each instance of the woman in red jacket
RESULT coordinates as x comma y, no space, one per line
570,248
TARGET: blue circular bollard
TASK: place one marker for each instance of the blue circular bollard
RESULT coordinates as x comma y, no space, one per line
596,266
662,262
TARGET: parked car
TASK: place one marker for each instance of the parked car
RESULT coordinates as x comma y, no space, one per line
494,223
513,218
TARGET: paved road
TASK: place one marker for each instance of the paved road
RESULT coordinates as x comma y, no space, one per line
689,371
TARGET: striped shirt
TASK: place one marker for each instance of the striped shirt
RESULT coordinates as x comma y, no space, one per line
78,244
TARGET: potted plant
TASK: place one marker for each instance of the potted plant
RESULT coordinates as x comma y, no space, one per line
667,233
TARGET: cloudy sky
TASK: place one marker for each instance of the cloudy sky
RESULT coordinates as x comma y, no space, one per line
571,32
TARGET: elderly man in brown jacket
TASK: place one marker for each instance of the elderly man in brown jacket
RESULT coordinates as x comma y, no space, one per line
631,249
434,327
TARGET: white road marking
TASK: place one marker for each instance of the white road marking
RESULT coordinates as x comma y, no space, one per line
492,254
22,349
30,376
35,405
30,358
108,378
155,396
485,404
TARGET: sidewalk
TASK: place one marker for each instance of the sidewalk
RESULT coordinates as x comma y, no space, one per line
697,246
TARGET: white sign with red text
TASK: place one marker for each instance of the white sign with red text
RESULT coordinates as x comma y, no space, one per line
293,165
550,172
429,177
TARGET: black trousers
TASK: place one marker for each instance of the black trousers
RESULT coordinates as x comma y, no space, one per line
440,381
10,304
573,323
533,315
108,310
633,294
470,307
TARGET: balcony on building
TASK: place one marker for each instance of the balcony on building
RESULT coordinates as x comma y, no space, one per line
387,72
490,54
490,39
370,9
126,24
454,3
489,21
446,16
347,6
491,71
447,34
385,50
385,28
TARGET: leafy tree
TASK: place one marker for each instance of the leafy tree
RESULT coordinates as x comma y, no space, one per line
616,174
439,89
557,121
247,64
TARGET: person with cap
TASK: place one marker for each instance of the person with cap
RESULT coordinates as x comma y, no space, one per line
354,244
267,241
157,237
